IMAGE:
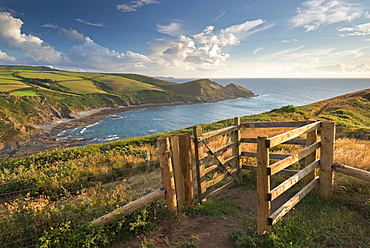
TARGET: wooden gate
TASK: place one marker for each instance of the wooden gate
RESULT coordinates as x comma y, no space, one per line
217,159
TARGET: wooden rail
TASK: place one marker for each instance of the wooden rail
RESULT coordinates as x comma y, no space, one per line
354,172
129,208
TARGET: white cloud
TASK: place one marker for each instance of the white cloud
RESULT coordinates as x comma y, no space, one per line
6,58
359,30
315,13
33,46
173,29
257,50
201,51
219,16
134,5
91,24
93,56
288,41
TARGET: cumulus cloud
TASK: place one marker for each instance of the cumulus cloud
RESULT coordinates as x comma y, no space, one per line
93,56
68,34
35,48
91,24
87,54
6,58
315,13
359,30
339,68
134,5
203,50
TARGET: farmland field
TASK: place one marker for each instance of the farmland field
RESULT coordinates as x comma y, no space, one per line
7,75
24,93
10,87
47,75
81,87
11,81
125,85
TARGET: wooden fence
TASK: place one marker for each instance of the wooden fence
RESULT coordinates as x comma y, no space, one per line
213,162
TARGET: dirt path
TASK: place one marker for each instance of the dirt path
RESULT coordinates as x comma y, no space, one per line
205,231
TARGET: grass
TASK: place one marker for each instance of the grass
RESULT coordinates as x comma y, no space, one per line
10,81
55,76
24,93
10,87
125,85
81,87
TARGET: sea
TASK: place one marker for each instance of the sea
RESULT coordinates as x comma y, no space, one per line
272,93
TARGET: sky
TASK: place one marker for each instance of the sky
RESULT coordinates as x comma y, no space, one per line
190,38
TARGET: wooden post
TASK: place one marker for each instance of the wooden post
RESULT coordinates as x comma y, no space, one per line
327,159
311,137
199,162
167,172
147,160
186,168
179,179
236,149
263,186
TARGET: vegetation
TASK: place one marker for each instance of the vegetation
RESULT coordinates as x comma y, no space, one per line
54,195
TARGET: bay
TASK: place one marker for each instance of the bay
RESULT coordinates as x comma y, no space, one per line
273,93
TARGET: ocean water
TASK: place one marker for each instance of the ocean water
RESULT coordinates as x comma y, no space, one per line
273,93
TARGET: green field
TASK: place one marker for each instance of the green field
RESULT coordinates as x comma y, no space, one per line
11,81
81,87
7,75
10,87
24,93
55,76
125,85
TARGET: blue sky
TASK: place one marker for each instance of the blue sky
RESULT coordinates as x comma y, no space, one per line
190,38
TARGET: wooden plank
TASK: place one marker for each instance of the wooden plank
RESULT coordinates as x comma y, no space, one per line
219,132
186,168
287,184
281,138
282,164
311,137
327,159
282,172
263,186
236,149
218,190
167,172
220,178
179,179
211,168
129,208
354,172
199,162
284,209
271,155
222,161
222,148
289,142
274,124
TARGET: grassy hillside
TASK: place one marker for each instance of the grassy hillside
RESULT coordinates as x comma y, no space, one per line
36,95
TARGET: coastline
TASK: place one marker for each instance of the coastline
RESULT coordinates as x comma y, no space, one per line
44,137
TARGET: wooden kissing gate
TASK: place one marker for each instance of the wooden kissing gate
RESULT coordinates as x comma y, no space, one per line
218,163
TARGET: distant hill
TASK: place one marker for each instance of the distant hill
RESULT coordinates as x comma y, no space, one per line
31,95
